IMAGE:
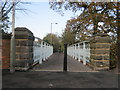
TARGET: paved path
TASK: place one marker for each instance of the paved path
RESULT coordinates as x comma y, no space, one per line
55,63
45,79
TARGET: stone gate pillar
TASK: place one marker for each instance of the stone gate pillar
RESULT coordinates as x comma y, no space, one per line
24,48
100,52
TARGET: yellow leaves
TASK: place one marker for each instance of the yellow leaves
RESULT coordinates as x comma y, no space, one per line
90,23
107,23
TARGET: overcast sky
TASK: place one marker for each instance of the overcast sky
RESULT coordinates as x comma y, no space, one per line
39,17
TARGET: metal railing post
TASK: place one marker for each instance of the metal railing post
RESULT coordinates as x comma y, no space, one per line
65,58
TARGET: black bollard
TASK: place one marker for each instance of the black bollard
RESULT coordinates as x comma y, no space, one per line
65,58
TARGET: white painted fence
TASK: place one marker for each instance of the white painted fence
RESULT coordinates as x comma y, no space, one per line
80,51
41,51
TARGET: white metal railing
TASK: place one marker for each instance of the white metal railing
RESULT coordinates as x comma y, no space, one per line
41,51
80,51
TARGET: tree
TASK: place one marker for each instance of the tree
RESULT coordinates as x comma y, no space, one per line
118,36
53,40
5,10
100,16
78,28
68,37
47,38
113,55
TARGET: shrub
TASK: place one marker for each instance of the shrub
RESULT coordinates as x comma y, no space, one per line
113,55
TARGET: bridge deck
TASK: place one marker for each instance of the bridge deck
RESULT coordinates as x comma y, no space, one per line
55,63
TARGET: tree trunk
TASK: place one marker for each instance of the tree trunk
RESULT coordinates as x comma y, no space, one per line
95,27
118,36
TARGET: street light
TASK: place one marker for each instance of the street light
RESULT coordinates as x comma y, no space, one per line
51,31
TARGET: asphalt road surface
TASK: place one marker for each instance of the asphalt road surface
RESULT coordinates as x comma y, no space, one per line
50,75
48,79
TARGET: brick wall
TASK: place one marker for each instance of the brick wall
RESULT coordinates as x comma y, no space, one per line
5,51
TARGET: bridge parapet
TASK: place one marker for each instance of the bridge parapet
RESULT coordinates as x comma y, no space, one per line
42,50
29,49
95,52
80,51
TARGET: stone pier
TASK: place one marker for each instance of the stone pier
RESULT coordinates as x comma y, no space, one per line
24,47
100,52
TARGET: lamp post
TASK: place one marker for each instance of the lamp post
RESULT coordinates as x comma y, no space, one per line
51,31
12,54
